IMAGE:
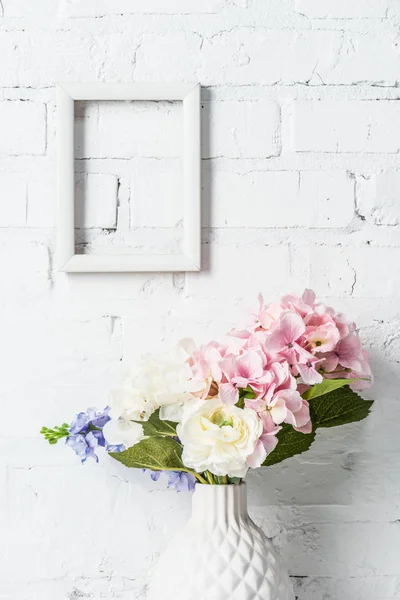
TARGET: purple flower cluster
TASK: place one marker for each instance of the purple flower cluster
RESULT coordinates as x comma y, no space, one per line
180,481
86,435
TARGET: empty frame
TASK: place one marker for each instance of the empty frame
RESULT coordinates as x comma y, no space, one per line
190,259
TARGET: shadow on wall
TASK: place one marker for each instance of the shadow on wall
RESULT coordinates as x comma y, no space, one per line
206,185
320,507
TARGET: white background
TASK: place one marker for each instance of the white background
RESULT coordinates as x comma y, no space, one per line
301,177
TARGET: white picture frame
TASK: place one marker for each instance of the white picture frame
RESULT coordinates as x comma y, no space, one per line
190,259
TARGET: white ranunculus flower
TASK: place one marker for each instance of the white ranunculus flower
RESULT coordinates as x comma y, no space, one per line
218,438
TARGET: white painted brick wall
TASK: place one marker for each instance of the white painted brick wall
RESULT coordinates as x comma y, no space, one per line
341,9
341,126
94,8
96,198
232,129
282,199
23,127
378,198
13,202
301,187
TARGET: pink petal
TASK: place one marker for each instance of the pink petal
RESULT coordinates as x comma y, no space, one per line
292,399
250,365
292,327
330,362
228,367
302,416
344,326
305,428
269,316
303,354
240,333
326,335
259,455
228,393
260,298
308,297
268,424
309,375
270,442
278,411
349,350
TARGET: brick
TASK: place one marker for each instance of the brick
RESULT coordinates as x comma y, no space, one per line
332,272
96,201
340,126
156,194
341,9
23,127
260,56
95,8
235,272
365,58
74,57
87,339
13,193
24,270
281,199
169,56
378,198
129,130
345,588
241,129
24,9
41,203
376,272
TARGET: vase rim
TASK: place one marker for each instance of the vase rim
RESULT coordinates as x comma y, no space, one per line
221,485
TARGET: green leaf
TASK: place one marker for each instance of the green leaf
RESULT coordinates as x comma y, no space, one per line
235,480
240,402
155,453
249,393
327,386
245,394
339,407
291,442
155,426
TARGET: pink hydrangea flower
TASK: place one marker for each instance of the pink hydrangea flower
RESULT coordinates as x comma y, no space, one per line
287,347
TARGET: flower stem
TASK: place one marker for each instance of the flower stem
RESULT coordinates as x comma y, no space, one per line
221,479
209,478
198,477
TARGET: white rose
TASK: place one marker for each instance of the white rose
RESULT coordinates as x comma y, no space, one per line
218,438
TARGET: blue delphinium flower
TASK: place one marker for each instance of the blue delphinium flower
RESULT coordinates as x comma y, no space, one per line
182,482
179,480
84,420
85,434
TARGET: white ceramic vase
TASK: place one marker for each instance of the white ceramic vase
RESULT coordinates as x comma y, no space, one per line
220,554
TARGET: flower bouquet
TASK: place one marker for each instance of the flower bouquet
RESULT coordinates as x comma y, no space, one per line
208,414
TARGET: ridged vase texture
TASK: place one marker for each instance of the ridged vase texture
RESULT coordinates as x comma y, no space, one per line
221,554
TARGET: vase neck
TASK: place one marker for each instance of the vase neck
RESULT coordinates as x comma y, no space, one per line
220,503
